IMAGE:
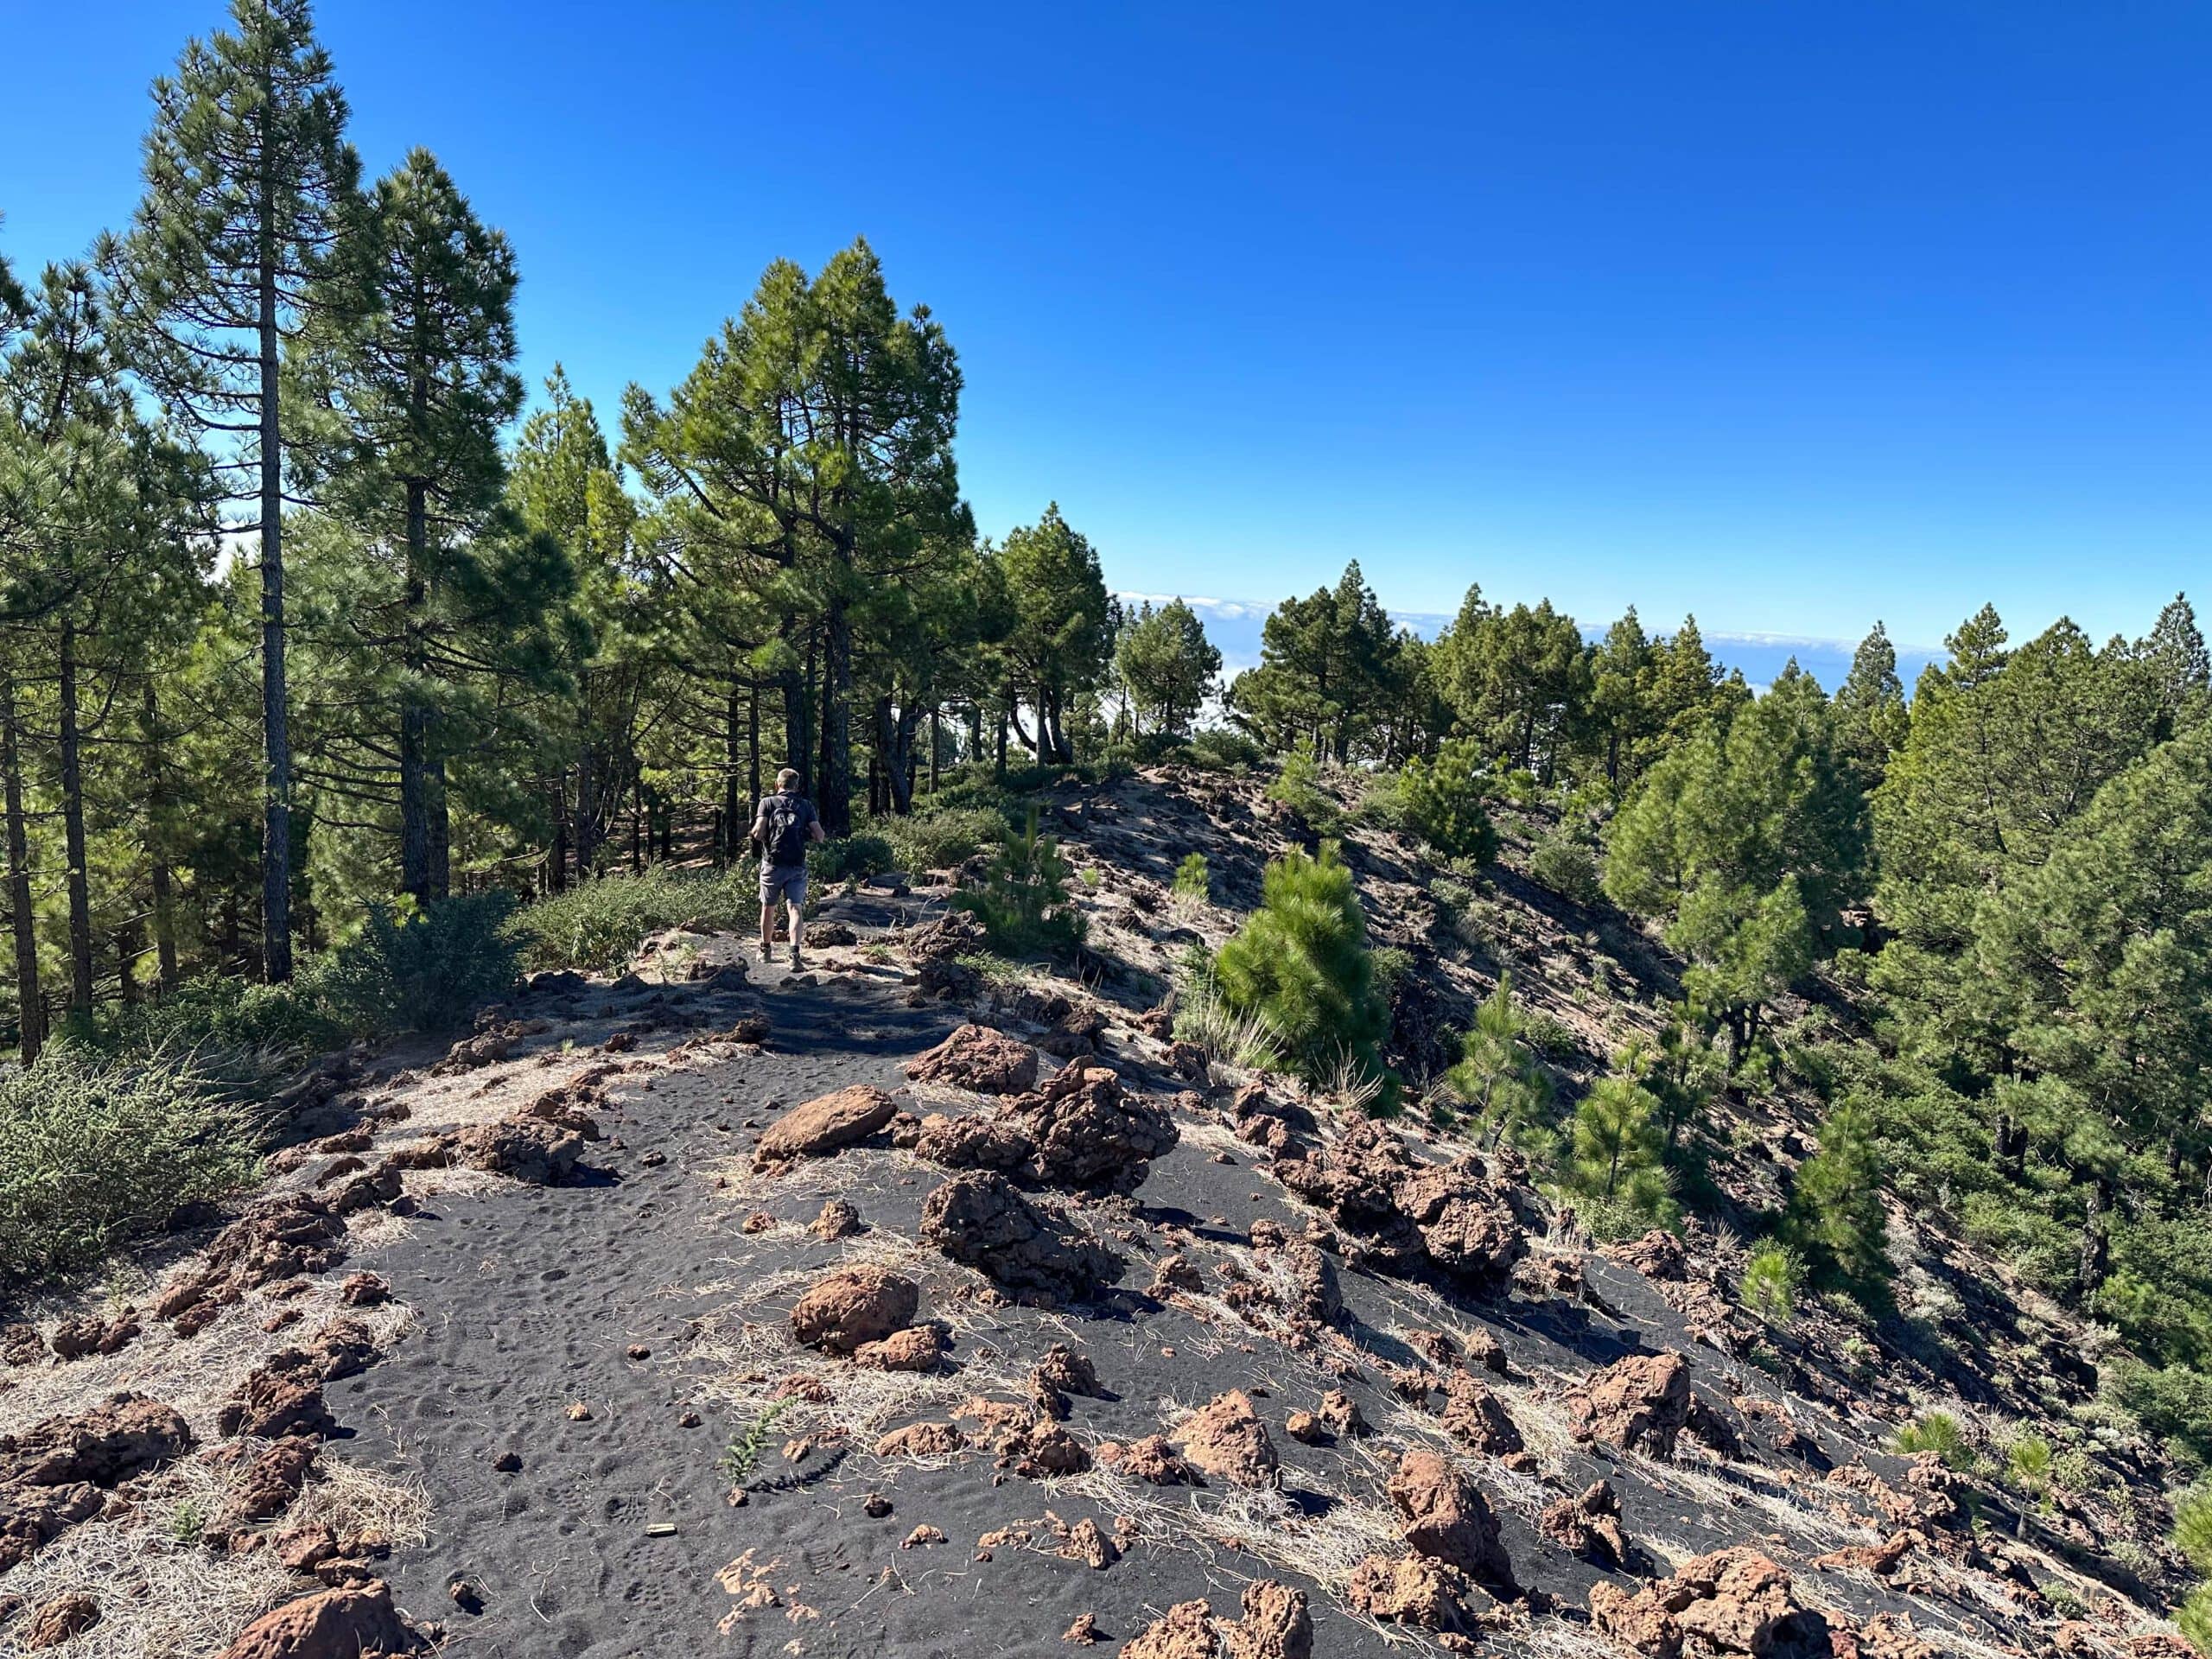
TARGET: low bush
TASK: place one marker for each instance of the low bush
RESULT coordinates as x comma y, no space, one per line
1222,748
1563,863
1298,786
1446,802
1204,1017
1940,1433
598,926
427,971
94,1151
1023,903
938,840
1300,964
849,857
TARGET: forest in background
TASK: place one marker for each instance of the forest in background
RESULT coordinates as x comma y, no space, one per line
333,686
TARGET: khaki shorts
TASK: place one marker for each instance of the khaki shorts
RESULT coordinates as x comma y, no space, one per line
788,883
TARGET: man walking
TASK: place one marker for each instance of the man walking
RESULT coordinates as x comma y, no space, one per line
782,829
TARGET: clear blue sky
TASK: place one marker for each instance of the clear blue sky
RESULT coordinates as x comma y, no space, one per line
1792,315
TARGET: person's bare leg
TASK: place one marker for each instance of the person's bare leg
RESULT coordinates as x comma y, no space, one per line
767,928
791,909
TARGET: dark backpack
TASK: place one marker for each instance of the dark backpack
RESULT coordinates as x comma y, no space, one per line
782,830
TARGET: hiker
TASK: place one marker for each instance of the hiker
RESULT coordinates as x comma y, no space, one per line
781,830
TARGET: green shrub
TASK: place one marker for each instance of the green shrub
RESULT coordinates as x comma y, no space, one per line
219,1014
1193,880
1300,964
1298,786
1447,804
1202,1017
1565,863
598,926
829,862
1616,1155
1497,1078
2171,1402
938,840
95,1151
1835,1214
1024,903
428,971
1937,1432
1222,748
1772,1280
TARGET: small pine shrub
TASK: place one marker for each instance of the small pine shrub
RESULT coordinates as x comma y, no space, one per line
1937,1432
1564,864
1298,786
1300,964
1446,803
1496,1076
428,971
1835,1214
1617,1151
1204,1017
95,1151
2028,1465
1023,904
1193,880
1772,1280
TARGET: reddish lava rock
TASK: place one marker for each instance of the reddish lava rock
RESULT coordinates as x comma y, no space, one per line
826,1124
852,1306
1447,1517
346,1623
1226,1437
977,1058
1639,1404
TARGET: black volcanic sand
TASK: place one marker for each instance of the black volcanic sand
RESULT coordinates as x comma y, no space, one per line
526,1300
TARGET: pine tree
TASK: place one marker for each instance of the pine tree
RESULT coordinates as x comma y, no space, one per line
1168,666
1871,719
249,182
1835,1214
416,344
1495,1076
1326,667
1618,1150
1062,639
1300,964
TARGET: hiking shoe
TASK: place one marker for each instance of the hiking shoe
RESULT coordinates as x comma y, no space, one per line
797,961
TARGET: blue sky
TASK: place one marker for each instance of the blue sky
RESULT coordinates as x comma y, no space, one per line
1792,315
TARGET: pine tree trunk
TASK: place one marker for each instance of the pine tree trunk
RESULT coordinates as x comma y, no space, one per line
835,799
72,829
2096,1245
556,861
753,762
414,714
277,739
588,792
726,831
19,880
441,829
156,848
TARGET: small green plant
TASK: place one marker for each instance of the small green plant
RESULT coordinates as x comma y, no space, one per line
940,838
1298,786
95,1151
855,858
1301,965
742,1455
1193,880
1090,877
599,925
1023,904
2028,1465
188,1521
1222,748
1563,862
1772,1280
1447,804
1498,1078
1937,1432
1617,1153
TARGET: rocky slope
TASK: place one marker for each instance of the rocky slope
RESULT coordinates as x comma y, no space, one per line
912,1305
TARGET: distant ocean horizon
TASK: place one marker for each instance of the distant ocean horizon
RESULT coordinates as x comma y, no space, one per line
1235,625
